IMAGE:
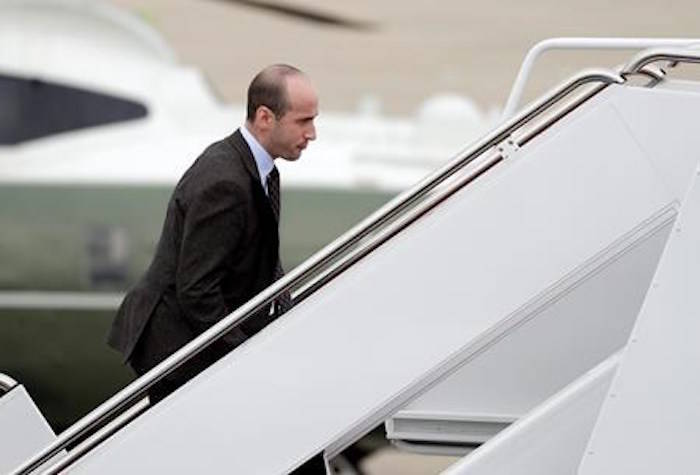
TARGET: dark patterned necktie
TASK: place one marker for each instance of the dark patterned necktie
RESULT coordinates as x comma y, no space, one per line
284,301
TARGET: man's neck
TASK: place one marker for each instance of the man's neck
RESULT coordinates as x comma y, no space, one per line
258,136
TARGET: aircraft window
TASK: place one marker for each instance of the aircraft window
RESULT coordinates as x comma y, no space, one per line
31,108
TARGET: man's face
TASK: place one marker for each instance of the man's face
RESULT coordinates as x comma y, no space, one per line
291,133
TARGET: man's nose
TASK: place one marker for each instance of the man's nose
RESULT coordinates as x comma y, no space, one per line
311,133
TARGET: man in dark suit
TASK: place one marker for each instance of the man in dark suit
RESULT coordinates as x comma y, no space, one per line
219,245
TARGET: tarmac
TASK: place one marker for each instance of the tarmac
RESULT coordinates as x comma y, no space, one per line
405,52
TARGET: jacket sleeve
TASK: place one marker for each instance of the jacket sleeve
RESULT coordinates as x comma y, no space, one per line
213,226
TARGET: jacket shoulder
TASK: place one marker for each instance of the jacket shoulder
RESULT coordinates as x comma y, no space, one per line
220,166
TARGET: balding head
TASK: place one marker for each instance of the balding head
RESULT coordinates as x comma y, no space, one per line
282,106
268,89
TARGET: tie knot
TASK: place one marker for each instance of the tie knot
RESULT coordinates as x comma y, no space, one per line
273,179
274,174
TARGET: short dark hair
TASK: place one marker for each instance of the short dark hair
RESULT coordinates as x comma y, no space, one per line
268,89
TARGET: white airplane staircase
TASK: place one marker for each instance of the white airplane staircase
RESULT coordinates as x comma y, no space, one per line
551,438
494,285
635,413
23,429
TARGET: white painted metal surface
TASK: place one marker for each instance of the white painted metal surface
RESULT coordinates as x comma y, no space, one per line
589,314
23,429
566,331
551,438
442,291
650,421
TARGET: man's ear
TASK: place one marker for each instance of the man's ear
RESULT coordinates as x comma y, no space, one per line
264,116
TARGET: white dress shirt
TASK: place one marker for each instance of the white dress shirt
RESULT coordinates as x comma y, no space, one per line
263,160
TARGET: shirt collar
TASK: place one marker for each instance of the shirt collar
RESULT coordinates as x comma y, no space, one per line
263,160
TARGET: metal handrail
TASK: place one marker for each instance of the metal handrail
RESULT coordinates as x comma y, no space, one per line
315,264
100,434
470,153
577,44
648,57
6,383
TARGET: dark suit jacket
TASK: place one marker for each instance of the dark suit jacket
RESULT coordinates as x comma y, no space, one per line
218,248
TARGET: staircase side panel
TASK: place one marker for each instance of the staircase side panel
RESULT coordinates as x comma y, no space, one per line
650,421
